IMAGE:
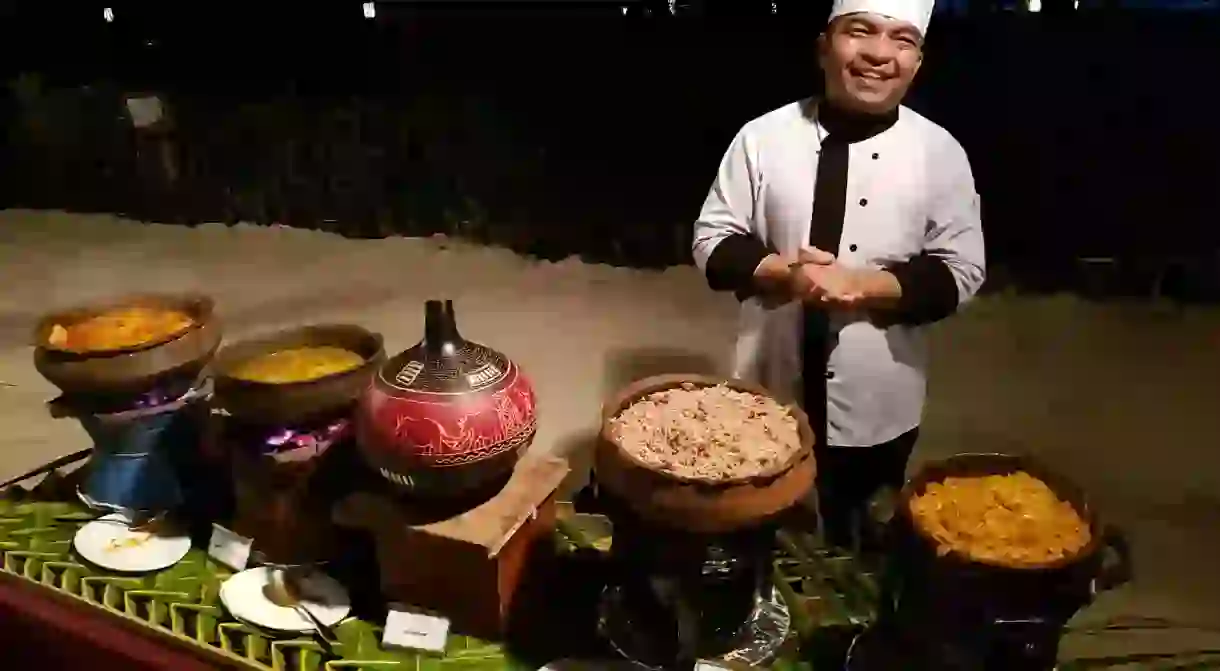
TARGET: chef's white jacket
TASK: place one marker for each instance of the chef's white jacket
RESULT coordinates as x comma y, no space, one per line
910,192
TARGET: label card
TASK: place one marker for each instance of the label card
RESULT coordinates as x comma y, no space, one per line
417,631
704,665
229,548
144,111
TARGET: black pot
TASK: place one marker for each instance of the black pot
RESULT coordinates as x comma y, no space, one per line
955,591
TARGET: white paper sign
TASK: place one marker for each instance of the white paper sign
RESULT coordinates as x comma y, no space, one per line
417,631
708,666
228,548
145,111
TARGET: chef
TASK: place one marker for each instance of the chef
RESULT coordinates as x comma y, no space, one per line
846,224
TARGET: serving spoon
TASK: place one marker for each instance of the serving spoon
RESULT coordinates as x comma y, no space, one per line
286,590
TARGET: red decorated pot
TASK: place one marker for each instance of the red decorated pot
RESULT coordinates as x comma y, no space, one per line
448,416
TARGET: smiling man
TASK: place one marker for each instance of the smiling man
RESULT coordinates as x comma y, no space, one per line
846,224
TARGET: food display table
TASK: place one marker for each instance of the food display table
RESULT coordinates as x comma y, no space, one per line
56,612
59,612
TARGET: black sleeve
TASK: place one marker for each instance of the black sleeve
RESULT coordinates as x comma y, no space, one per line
929,292
733,262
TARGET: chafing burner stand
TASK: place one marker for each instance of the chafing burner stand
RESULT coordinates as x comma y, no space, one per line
676,597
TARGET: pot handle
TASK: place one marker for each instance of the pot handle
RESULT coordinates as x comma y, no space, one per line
1117,567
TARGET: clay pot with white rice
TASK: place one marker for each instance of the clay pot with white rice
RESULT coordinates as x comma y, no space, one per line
702,454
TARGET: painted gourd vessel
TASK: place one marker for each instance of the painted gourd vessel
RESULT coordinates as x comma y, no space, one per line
447,417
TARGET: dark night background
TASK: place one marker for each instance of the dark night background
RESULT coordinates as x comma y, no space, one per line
572,128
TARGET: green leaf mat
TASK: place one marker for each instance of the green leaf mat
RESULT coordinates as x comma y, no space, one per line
183,602
829,597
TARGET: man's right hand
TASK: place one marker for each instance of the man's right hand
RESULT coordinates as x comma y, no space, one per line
781,279
773,280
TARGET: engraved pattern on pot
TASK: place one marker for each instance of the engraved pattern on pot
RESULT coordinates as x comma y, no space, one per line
481,367
408,374
438,429
446,404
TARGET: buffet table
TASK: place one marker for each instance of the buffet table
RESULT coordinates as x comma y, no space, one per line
59,612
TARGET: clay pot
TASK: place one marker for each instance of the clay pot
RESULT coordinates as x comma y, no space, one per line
691,504
448,416
954,581
265,403
132,369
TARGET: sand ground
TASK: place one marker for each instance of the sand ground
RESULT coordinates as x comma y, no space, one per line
1123,398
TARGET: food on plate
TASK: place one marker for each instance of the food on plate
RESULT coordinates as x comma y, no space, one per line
299,364
120,328
132,541
715,432
1013,520
139,534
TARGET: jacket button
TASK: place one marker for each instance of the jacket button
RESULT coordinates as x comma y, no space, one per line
876,156
863,202
853,248
830,375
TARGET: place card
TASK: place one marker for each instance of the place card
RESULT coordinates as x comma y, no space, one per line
144,111
229,548
418,631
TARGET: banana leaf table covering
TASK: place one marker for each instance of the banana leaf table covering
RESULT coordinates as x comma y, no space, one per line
57,607
58,612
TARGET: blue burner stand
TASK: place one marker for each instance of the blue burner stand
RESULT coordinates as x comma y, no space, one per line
144,459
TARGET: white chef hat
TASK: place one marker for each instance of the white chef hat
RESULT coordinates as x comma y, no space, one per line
915,12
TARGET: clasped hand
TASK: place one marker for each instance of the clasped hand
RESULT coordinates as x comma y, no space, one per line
820,279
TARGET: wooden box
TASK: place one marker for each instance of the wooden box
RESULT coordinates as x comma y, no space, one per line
467,567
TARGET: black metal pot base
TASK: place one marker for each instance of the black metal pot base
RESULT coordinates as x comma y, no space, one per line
755,643
884,647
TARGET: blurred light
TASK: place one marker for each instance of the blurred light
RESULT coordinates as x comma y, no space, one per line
370,10
624,10
108,14
1034,5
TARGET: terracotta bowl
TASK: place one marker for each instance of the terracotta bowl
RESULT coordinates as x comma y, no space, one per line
932,582
131,368
696,504
290,403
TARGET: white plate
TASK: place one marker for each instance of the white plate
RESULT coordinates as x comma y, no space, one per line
109,543
243,596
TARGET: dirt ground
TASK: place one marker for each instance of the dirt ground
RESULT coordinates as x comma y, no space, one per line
1122,398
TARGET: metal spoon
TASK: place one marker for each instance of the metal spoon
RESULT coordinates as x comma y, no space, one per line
136,520
281,594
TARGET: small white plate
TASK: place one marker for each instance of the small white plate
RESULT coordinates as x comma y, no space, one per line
109,543
243,596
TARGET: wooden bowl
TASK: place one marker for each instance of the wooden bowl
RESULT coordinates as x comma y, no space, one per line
698,504
267,403
130,369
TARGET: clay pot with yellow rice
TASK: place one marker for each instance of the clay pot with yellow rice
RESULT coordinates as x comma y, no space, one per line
128,344
298,374
980,537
